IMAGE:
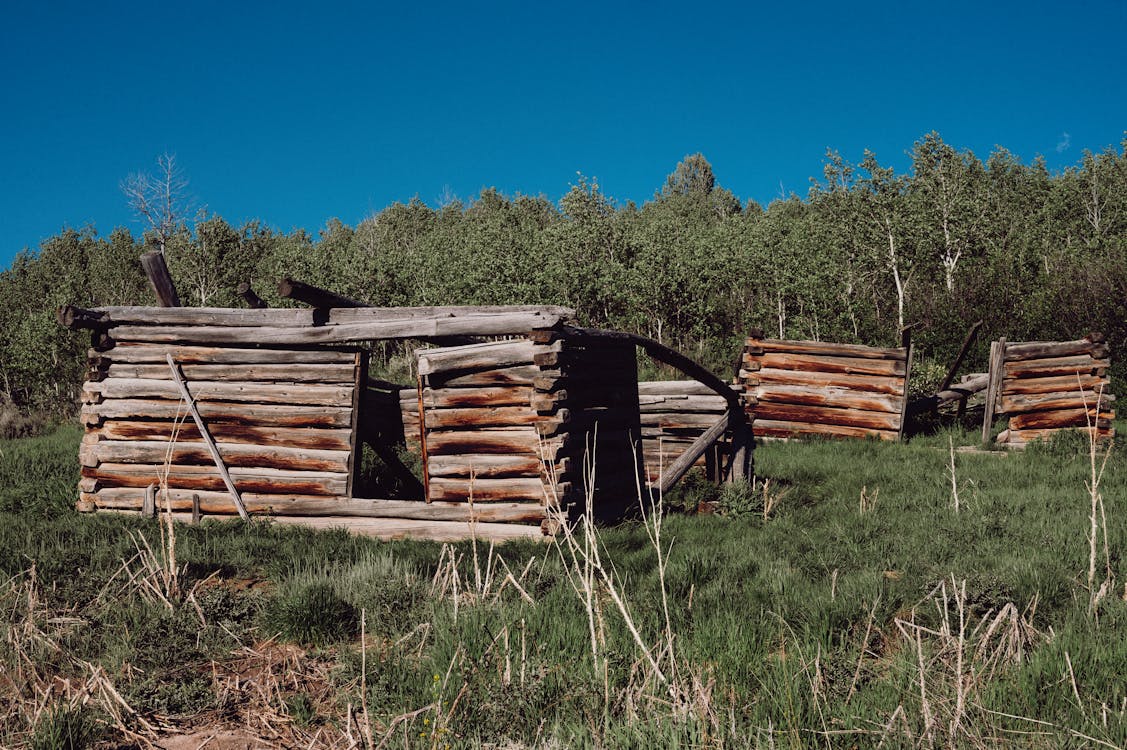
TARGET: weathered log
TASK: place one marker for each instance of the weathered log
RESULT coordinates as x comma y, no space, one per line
448,398
844,365
965,388
314,296
889,385
869,420
1041,368
829,396
160,279
781,429
252,480
689,457
287,373
993,386
679,421
512,489
1062,419
1018,352
1054,384
1074,399
669,403
277,457
258,393
76,318
674,388
249,296
547,402
485,466
519,375
263,415
520,442
500,416
492,355
825,348
317,439
133,353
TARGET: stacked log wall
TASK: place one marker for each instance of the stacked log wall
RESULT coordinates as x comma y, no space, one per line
283,421
1046,387
819,389
674,413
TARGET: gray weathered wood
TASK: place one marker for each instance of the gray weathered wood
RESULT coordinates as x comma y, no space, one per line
264,415
686,460
160,279
258,393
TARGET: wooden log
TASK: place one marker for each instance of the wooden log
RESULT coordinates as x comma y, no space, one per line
519,442
1017,352
287,373
696,450
993,386
1041,368
967,387
844,365
494,324
485,466
449,398
671,403
1062,419
276,457
781,429
829,396
519,375
134,353
869,420
1075,399
75,318
314,296
554,425
679,421
500,416
872,384
547,402
512,489
252,480
256,393
249,296
262,415
1054,384
160,279
674,388
824,348
492,355
317,439
570,358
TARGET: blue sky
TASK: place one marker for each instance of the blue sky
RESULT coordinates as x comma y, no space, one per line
293,113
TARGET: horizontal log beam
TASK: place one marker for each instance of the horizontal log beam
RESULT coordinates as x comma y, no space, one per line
500,416
449,398
276,373
868,420
513,489
276,457
843,365
250,393
1054,384
1017,404
871,384
830,397
825,348
254,480
134,353
1056,366
1051,349
492,355
302,437
264,415
1062,419
782,429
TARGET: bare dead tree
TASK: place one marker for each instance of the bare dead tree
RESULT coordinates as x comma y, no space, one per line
159,198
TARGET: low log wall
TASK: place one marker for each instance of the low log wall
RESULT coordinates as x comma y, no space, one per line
817,389
674,413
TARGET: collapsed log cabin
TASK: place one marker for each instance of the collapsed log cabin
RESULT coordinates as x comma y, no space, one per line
1044,387
512,433
796,389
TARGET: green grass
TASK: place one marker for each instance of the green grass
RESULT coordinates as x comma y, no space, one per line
794,630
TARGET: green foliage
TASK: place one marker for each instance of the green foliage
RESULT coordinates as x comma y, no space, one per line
312,614
64,728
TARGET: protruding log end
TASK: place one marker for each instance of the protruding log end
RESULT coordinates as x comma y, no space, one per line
314,296
75,318
249,296
161,280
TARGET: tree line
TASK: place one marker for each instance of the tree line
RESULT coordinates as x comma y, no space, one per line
1034,254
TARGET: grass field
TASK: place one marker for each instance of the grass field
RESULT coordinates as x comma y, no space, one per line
859,608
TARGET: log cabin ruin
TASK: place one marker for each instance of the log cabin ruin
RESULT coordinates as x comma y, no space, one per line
267,412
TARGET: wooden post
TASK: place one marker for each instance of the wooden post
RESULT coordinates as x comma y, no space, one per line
212,448
740,469
253,300
906,343
997,368
157,271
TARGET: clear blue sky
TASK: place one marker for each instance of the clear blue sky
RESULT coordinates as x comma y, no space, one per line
293,113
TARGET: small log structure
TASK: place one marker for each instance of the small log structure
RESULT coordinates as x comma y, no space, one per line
1045,387
674,413
819,389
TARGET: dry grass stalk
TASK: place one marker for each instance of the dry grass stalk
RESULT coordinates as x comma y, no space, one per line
1097,517
951,473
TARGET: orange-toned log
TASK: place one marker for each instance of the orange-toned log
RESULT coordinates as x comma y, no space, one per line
1043,368
1055,384
1076,399
521,375
448,398
781,429
844,365
215,355
492,466
518,441
869,383
827,349
303,394
1050,349
153,452
513,489
330,440
497,416
255,480
1062,419
869,420
216,412
829,396
280,373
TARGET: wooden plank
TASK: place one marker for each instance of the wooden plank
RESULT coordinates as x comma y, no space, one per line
1026,350
281,373
252,480
829,396
510,489
133,353
869,420
449,398
485,466
263,415
520,442
993,387
692,453
843,365
156,269
1063,419
277,457
492,355
1041,368
780,429
674,388
501,416
678,421
252,393
519,375
671,403
825,348
772,376
1055,384
317,439
1076,399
